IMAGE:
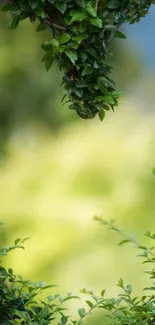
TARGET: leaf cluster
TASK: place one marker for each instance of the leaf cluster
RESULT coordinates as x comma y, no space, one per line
20,300
81,36
21,303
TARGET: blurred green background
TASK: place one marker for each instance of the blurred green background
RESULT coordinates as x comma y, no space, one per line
58,171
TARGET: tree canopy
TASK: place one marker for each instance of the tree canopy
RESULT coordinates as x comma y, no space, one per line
81,35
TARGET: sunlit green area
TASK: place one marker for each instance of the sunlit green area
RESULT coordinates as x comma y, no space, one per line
57,171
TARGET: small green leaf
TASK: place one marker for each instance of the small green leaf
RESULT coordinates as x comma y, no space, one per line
86,71
129,288
110,27
71,55
96,22
153,170
108,99
92,12
149,306
13,23
79,16
54,42
103,292
34,3
114,4
80,3
124,241
81,312
40,12
90,304
101,114
61,6
119,34
70,297
17,241
120,283
48,63
64,38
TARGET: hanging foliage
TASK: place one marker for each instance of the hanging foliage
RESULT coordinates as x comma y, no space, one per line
81,36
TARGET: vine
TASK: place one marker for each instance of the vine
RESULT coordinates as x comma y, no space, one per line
81,36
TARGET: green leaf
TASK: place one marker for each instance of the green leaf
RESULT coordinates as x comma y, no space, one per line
54,42
129,288
153,170
80,38
114,4
119,34
110,27
96,22
10,271
41,27
71,55
16,11
34,3
92,12
79,16
40,12
81,3
78,92
86,71
90,304
61,6
2,253
13,23
120,283
48,63
82,84
17,241
103,292
149,306
124,241
6,7
64,38
108,99
101,114
81,312
70,297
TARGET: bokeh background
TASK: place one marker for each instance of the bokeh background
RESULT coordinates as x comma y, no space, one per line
57,171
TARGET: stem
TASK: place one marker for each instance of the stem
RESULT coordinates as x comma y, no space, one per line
129,239
97,2
49,23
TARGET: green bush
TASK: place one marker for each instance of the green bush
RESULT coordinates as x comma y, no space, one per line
82,32
20,301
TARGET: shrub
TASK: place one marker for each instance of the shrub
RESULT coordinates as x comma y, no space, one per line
20,301
81,36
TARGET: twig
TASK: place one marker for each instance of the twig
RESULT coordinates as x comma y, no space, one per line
48,22
97,2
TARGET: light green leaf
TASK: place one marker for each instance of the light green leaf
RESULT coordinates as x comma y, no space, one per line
71,55
119,34
92,12
101,114
79,16
61,6
64,38
54,42
96,22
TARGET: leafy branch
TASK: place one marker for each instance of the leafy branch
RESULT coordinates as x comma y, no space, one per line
147,252
22,297
81,35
